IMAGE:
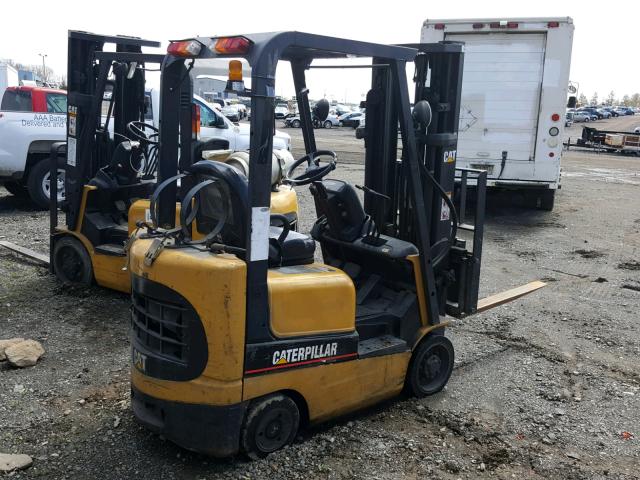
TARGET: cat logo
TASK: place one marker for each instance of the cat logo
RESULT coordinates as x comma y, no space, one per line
139,360
303,354
449,156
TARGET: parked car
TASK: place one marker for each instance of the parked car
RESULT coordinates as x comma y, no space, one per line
293,121
242,109
580,116
360,129
612,111
350,119
592,115
625,111
231,113
331,121
282,110
604,113
595,115
341,110
568,119
219,103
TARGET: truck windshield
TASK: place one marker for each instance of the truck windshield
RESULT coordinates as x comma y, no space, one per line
56,103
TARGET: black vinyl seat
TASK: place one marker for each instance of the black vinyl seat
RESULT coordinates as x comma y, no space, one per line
343,222
295,249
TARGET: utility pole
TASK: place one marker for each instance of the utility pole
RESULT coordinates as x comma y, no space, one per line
44,68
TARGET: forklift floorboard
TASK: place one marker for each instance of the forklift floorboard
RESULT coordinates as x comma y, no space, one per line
384,345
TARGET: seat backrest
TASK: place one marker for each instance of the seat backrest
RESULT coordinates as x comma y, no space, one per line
338,201
228,198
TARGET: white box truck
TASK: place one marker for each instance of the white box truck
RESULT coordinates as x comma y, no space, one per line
8,77
514,95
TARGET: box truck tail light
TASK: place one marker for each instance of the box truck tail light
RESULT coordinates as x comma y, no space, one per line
503,24
439,26
555,117
184,48
478,25
553,24
235,45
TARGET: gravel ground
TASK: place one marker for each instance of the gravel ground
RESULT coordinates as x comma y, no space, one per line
545,387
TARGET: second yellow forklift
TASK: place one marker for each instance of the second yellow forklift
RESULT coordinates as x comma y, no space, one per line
113,154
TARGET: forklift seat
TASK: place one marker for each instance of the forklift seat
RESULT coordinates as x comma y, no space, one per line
343,222
295,249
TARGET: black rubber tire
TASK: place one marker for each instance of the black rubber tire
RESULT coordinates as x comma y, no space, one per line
271,423
296,124
16,188
71,262
36,177
546,200
431,366
327,124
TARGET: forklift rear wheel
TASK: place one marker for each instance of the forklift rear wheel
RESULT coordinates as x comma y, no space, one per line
271,423
431,366
71,262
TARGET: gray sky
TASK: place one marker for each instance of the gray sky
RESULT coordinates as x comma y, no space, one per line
604,42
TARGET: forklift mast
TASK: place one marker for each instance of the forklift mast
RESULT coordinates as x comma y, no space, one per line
438,81
90,73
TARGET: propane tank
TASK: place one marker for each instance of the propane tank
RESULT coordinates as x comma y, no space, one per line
280,163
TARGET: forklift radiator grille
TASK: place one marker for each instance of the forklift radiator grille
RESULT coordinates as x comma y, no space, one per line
168,338
160,327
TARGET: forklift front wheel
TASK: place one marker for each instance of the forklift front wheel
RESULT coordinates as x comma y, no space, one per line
71,261
271,423
431,366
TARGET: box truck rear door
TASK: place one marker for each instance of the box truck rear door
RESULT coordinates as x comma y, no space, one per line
500,95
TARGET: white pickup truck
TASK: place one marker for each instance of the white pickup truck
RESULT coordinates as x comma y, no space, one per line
31,119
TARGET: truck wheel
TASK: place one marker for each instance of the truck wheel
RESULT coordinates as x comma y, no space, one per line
71,262
16,188
38,182
271,423
431,366
546,199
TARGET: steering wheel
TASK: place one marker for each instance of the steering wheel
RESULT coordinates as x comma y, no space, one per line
137,130
314,171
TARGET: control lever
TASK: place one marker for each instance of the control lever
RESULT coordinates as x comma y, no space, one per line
373,232
366,189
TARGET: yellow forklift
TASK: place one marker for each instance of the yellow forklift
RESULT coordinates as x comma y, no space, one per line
242,336
112,155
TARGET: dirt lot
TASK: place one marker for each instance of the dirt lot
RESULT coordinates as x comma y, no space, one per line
545,387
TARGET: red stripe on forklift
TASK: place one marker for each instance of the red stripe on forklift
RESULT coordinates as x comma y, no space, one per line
317,360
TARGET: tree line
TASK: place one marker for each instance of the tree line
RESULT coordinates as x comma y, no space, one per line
611,99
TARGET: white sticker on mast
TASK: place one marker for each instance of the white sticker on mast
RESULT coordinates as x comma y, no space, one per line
71,151
260,221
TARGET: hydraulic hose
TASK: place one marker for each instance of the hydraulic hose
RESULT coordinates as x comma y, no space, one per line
454,216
